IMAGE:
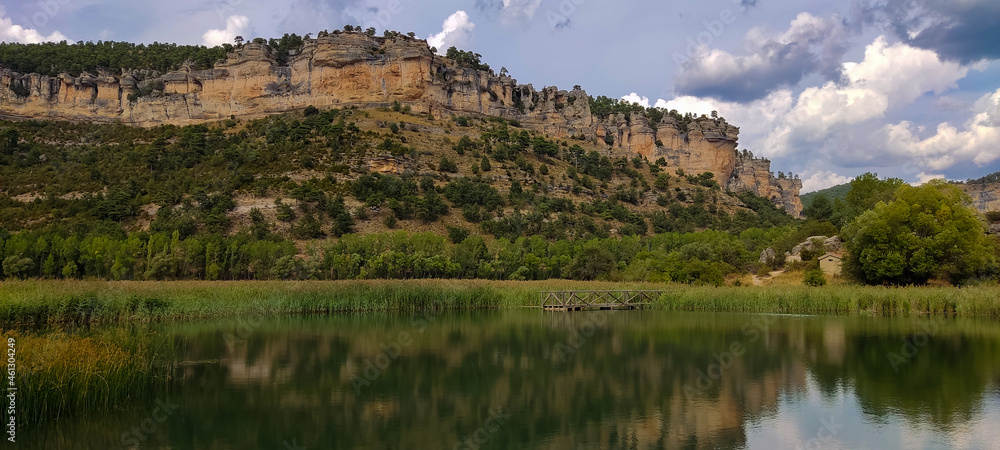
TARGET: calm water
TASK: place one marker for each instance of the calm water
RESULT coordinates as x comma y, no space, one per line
527,379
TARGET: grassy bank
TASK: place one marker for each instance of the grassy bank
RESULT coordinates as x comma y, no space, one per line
46,303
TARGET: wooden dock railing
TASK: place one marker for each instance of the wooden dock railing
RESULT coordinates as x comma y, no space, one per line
596,300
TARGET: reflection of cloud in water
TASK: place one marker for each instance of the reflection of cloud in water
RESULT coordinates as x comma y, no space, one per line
624,386
798,425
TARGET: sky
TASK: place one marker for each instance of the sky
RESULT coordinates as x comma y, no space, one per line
824,89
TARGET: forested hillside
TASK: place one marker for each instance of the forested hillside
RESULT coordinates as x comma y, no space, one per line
268,199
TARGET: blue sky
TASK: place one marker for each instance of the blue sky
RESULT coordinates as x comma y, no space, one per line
825,89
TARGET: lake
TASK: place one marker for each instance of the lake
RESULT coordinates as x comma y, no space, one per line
530,379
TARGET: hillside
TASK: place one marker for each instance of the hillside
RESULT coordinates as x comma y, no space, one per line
832,193
353,69
323,194
391,168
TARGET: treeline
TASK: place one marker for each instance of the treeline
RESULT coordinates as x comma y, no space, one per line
696,258
54,58
603,107
897,234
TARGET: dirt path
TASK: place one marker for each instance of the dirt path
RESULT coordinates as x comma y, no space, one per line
757,281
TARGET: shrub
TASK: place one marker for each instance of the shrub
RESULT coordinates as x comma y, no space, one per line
457,234
446,165
815,277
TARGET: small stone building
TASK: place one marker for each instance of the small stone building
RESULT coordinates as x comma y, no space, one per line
830,264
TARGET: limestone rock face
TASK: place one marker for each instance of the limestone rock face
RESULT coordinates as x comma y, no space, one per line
985,196
754,175
353,69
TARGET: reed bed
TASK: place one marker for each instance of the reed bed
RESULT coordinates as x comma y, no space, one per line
60,373
981,302
35,304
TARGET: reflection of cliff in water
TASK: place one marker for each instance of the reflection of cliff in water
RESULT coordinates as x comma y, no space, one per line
571,380
580,380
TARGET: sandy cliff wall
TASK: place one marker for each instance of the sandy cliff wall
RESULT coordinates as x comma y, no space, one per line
352,69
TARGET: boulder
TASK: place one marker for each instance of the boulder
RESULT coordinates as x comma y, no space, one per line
768,256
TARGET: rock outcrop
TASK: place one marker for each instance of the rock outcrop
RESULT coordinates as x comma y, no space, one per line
754,175
353,69
829,245
985,196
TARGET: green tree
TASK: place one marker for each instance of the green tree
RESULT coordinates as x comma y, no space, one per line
821,208
308,228
16,266
457,234
70,270
285,212
592,263
342,221
8,141
926,232
867,190
447,165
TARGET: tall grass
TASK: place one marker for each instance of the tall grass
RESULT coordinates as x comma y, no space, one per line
61,373
968,302
45,303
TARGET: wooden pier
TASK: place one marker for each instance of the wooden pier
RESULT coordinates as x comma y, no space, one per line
596,300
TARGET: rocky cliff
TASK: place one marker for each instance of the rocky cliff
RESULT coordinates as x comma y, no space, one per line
754,175
985,196
353,69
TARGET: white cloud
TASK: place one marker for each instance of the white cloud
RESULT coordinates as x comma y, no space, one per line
903,73
978,142
10,32
837,124
768,62
635,98
924,178
455,31
890,76
235,26
518,11
754,119
821,180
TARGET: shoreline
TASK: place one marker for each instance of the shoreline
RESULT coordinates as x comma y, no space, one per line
43,304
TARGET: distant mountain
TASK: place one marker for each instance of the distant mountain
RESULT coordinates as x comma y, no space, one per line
833,193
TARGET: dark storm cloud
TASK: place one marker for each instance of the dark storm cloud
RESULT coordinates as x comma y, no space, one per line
747,78
810,45
963,31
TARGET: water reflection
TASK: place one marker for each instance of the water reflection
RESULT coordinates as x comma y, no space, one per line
527,379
